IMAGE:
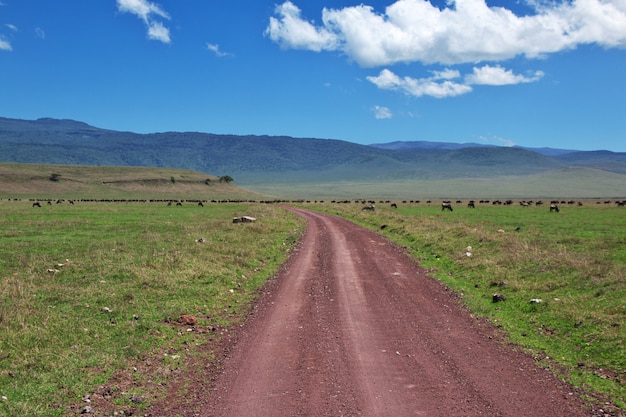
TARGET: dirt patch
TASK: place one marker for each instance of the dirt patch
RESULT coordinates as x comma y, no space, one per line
351,326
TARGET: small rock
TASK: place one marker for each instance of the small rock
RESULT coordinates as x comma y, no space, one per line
87,410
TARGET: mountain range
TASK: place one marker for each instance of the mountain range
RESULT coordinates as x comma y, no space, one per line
256,159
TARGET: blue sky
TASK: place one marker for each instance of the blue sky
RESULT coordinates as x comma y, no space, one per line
532,73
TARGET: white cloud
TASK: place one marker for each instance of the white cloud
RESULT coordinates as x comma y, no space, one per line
5,45
381,112
150,14
290,31
41,34
441,84
158,32
497,140
465,31
215,48
496,75
418,87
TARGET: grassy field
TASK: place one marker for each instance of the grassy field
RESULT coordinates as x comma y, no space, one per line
80,182
93,289
573,261
89,289
562,183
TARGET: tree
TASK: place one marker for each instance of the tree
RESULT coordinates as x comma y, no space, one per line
54,177
226,178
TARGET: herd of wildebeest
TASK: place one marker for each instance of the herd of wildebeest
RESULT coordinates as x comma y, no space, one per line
367,205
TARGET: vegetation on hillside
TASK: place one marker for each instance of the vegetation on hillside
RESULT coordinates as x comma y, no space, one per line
267,160
78,182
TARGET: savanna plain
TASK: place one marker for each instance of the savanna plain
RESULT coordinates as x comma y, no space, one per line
94,295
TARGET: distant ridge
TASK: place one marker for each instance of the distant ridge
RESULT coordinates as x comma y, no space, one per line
258,159
399,145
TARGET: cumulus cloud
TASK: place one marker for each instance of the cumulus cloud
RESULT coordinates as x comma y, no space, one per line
291,31
464,31
381,112
438,85
150,14
496,75
449,82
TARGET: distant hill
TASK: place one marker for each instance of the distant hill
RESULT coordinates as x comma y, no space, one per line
255,160
399,145
79,181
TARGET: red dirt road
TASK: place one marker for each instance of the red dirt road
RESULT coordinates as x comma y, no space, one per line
353,327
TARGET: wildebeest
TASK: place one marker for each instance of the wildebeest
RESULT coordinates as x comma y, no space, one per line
244,219
470,204
370,207
446,206
394,205
36,204
554,207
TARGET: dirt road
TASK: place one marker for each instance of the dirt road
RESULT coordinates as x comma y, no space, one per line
354,328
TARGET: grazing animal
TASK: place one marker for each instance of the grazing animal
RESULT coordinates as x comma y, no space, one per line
394,205
188,320
498,297
554,207
244,219
470,204
446,206
36,204
371,207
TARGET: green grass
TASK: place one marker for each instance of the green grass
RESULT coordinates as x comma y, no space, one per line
560,183
574,261
107,182
134,268
129,271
